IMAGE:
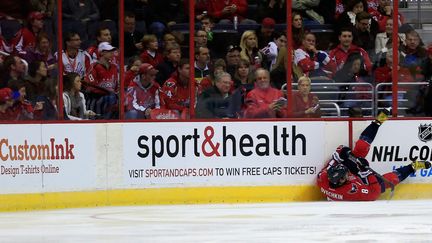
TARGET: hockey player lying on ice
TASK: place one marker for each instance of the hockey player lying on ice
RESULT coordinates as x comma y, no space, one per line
347,176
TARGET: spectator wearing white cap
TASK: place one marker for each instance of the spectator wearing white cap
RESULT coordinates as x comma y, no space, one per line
103,82
143,95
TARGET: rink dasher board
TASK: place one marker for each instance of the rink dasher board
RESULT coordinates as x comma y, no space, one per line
225,162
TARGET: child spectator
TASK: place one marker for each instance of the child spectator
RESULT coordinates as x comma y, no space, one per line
172,56
151,54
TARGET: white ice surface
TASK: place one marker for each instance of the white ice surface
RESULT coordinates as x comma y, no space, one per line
380,221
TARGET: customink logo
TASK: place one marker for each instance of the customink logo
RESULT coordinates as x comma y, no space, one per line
157,146
27,151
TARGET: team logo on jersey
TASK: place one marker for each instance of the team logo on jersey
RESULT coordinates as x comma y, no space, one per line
353,188
425,132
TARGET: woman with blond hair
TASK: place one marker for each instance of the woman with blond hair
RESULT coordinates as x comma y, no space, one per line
249,46
305,104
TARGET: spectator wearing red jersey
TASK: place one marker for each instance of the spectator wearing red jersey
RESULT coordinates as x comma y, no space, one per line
384,12
226,10
103,34
151,53
264,101
26,37
175,91
103,84
143,95
6,102
313,62
74,59
22,108
346,47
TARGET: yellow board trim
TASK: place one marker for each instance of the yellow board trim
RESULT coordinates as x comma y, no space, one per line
195,195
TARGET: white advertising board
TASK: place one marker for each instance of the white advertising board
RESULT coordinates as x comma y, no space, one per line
43,158
397,143
222,154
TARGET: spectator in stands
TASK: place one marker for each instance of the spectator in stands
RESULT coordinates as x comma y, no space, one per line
384,12
47,7
307,6
50,101
353,71
264,101
383,41
272,8
363,36
22,108
249,48
26,37
346,47
6,103
233,58
74,59
217,101
103,84
298,30
80,10
413,54
243,77
103,34
265,35
348,18
305,104
169,39
270,52
225,11
14,70
219,66
151,53
35,81
200,38
207,24
384,75
42,52
73,99
202,60
143,95
132,37
175,91
132,70
172,55
314,63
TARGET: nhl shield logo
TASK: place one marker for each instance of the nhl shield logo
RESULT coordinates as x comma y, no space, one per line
425,132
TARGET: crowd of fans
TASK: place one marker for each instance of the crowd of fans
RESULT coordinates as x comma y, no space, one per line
240,59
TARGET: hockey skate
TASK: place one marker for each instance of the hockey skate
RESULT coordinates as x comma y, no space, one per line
420,165
383,115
